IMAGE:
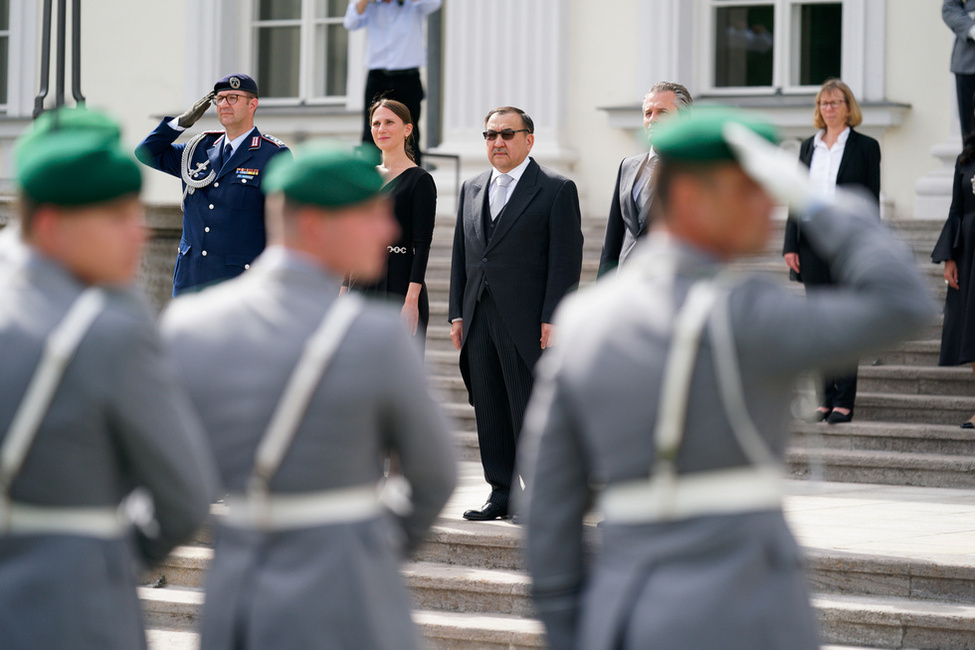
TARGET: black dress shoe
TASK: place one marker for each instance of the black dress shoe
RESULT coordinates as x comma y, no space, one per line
818,416
968,424
837,418
488,512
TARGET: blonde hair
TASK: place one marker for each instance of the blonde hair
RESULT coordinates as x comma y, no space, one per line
835,85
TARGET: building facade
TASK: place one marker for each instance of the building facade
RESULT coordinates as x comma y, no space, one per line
579,68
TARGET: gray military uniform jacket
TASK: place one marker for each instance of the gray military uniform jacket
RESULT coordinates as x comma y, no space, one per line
117,421
731,580
334,585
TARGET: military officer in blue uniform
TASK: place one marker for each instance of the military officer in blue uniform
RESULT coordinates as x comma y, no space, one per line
223,207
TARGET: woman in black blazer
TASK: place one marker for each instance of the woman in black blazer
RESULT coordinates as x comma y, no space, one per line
836,155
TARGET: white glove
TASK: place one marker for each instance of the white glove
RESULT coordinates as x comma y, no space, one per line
772,167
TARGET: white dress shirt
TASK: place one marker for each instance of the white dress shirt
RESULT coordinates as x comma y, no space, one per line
825,163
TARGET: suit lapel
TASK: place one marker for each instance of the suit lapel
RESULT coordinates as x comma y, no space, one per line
629,208
852,142
474,211
524,192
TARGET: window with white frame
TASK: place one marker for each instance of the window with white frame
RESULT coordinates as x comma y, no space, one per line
774,44
301,50
4,53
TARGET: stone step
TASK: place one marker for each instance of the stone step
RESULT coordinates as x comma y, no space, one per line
882,467
877,621
924,409
913,353
891,622
913,380
163,639
946,439
462,588
474,631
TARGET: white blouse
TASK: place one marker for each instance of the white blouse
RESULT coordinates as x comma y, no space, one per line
825,164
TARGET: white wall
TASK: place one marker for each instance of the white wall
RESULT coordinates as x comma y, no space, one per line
603,71
133,57
918,54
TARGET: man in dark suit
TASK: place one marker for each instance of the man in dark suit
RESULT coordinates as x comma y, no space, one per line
517,252
632,196
223,207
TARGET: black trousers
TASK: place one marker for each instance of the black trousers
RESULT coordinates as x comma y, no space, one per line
965,89
401,85
839,389
501,383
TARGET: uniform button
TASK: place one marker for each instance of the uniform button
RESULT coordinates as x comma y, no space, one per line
246,266
204,253
484,260
216,184
243,180
207,229
211,206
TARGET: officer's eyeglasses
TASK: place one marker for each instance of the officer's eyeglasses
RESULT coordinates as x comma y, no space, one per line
507,134
231,99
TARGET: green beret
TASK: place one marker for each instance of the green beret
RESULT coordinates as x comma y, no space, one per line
697,135
74,157
323,174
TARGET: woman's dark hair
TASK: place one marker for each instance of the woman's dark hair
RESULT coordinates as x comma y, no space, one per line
967,154
403,113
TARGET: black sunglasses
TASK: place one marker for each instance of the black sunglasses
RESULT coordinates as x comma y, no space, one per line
507,134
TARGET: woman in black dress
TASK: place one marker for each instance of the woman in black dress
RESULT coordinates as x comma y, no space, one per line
837,155
415,206
956,248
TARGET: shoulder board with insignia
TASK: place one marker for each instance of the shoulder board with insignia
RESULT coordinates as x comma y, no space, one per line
273,140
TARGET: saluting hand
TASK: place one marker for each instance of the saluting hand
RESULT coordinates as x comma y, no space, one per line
196,111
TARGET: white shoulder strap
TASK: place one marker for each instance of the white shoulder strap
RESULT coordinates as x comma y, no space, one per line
674,392
729,384
318,352
58,351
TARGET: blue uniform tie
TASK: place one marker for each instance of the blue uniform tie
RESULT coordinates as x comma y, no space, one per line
228,151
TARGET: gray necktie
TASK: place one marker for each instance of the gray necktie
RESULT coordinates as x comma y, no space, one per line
500,195
646,187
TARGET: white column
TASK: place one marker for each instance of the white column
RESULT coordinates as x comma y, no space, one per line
932,192
505,53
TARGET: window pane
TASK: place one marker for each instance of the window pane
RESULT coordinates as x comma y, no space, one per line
820,38
330,8
278,52
4,15
743,45
4,63
279,9
331,60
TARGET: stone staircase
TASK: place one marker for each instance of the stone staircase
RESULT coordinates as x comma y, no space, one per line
468,582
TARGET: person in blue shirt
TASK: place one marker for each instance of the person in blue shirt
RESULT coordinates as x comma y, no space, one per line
395,54
221,171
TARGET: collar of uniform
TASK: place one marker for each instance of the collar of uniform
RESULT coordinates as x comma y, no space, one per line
681,257
236,142
281,257
515,173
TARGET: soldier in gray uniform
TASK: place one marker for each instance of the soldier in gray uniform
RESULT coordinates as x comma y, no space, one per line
90,408
667,404
302,392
